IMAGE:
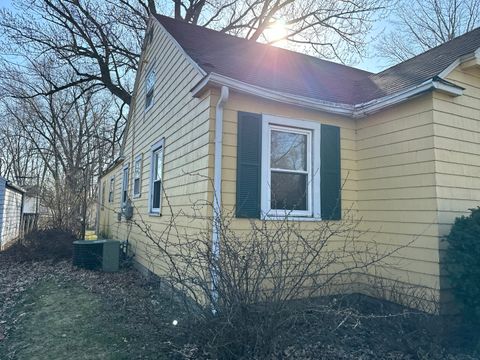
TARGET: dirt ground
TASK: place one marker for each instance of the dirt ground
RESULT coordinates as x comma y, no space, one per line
53,311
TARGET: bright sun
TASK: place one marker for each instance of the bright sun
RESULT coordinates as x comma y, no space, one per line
276,32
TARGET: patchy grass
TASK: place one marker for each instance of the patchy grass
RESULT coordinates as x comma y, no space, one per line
60,319
53,311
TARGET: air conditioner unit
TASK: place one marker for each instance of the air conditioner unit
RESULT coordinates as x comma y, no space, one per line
97,254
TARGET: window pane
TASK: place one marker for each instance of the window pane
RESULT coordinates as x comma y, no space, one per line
137,169
150,81
156,194
288,191
136,186
148,99
157,170
288,150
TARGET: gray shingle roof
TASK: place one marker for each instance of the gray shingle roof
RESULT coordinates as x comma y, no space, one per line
295,73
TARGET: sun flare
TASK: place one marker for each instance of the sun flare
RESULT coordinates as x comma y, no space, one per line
276,32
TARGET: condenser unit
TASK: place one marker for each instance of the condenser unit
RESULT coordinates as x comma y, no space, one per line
97,254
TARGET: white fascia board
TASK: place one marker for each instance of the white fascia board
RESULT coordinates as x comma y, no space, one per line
354,111
463,59
286,98
364,109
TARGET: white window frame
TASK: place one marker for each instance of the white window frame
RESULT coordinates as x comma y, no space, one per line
111,190
138,159
155,147
103,185
125,184
312,130
147,74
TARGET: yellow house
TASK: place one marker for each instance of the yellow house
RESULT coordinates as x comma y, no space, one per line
266,132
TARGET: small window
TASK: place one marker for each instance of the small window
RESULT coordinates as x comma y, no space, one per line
156,178
137,176
149,88
125,185
290,168
110,190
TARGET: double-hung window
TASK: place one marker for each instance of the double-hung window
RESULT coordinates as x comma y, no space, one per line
156,177
137,176
125,185
290,168
110,190
149,88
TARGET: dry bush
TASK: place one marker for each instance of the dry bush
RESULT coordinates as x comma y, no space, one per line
46,244
246,298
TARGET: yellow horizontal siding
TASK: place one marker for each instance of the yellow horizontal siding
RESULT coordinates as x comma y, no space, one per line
457,147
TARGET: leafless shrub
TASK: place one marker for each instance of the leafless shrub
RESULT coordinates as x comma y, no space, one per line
265,281
45,244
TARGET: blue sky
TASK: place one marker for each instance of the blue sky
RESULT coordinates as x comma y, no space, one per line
369,63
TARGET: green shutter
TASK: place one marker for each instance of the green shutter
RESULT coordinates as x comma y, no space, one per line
249,154
330,173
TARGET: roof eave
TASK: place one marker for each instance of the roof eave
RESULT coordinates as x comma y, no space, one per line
466,61
354,111
364,109
214,79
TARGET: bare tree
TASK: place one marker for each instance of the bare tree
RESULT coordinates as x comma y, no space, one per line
99,42
67,133
423,24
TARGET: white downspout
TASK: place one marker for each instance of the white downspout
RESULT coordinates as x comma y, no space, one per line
217,190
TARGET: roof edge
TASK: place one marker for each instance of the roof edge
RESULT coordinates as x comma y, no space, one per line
370,107
179,47
112,165
14,186
283,97
461,60
355,111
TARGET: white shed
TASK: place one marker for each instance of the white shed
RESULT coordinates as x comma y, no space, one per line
11,205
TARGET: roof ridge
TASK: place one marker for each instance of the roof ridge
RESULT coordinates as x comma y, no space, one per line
238,38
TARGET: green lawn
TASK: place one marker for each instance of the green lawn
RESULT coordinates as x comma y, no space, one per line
58,320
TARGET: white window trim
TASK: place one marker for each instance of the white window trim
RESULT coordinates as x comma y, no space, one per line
155,211
103,189
139,157
313,157
111,190
125,183
150,70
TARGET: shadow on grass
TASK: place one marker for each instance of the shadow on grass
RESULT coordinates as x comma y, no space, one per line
59,320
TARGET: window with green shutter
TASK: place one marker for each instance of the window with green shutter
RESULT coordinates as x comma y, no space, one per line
287,167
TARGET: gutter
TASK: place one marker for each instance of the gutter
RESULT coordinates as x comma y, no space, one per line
283,97
370,107
217,191
354,111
